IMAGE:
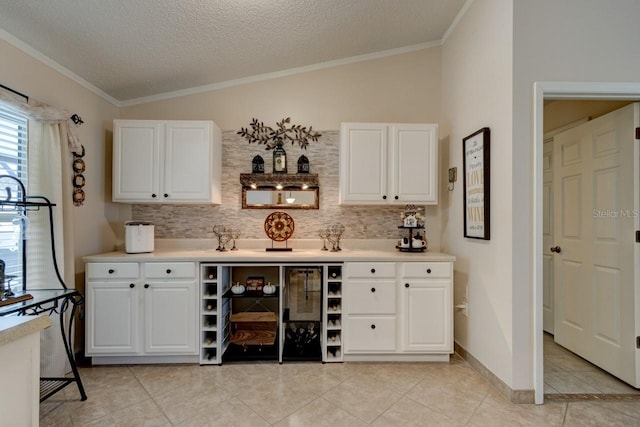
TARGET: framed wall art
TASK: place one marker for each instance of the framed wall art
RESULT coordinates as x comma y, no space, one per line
476,166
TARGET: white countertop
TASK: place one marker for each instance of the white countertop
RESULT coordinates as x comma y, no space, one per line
12,328
377,250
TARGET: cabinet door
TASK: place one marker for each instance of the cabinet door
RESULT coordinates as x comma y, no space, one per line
170,325
427,315
136,160
414,164
112,317
363,163
188,161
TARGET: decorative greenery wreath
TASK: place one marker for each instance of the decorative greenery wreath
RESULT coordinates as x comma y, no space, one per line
272,138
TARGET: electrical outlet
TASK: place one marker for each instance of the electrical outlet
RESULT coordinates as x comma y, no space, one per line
465,310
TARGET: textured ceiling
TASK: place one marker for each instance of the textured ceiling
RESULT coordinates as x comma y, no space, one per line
140,48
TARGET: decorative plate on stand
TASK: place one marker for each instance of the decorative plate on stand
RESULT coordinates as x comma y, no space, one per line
279,227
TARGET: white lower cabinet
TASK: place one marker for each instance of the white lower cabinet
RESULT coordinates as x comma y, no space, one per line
139,309
398,310
426,300
171,326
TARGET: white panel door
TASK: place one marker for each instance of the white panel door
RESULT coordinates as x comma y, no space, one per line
363,162
547,237
171,317
414,163
596,215
187,161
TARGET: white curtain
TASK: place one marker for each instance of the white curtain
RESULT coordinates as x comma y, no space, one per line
51,140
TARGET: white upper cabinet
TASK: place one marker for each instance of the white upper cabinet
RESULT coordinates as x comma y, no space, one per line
384,163
166,161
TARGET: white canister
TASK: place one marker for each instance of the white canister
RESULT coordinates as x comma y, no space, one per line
139,237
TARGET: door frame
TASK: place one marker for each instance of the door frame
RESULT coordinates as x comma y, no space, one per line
556,90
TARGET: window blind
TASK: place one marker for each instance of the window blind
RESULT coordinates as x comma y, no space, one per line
13,162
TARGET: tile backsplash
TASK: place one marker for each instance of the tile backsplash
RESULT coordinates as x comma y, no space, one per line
361,222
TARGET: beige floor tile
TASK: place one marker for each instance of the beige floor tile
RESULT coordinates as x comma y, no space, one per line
96,376
583,414
181,402
106,399
363,397
456,395
54,413
606,383
572,363
230,413
320,413
276,401
496,411
566,382
409,413
315,394
156,379
142,414
400,377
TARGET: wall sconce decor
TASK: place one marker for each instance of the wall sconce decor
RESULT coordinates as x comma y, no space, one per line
257,165
303,164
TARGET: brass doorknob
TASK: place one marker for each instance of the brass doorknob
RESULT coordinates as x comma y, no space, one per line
556,249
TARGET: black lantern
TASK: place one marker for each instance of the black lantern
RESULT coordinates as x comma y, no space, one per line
257,165
279,159
303,164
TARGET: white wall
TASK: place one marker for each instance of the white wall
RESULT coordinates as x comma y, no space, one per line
571,40
94,221
398,88
476,92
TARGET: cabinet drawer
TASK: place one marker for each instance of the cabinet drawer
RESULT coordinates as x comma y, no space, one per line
170,270
370,334
426,269
113,270
371,269
370,297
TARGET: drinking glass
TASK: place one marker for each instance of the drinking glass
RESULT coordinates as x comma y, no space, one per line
338,230
333,239
235,234
323,233
218,231
224,239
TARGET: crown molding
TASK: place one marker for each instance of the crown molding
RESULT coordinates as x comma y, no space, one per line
279,74
456,21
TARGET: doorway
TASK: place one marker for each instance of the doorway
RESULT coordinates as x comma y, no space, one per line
589,258
550,91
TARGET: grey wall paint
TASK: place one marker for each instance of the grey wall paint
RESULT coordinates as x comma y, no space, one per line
361,222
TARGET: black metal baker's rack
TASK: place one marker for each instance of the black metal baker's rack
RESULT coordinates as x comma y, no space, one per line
44,301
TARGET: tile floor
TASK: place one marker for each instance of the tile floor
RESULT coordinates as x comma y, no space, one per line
310,394
568,373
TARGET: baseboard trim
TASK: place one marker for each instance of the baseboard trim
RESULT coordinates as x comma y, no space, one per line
514,396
